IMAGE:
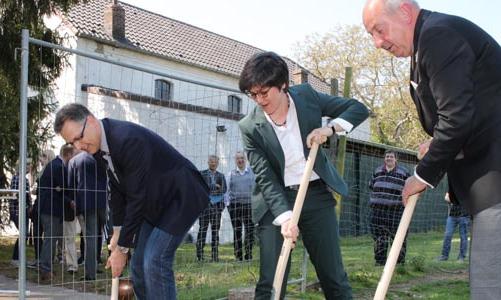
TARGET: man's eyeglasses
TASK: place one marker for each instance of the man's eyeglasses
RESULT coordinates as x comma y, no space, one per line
262,93
80,136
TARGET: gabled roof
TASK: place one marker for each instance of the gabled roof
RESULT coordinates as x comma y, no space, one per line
158,35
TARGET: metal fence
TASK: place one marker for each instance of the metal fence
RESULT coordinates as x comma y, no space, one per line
198,116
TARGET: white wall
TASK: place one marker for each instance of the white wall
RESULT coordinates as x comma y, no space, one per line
119,78
192,133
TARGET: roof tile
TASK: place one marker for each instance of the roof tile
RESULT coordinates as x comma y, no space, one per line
160,35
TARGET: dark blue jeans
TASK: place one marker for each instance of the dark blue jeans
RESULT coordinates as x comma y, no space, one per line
151,264
450,227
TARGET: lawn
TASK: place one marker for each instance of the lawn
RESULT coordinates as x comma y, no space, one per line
422,277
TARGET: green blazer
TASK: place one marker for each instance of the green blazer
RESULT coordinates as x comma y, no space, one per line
266,156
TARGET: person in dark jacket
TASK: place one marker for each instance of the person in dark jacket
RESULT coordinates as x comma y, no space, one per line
88,183
45,158
14,209
52,193
156,195
455,83
212,214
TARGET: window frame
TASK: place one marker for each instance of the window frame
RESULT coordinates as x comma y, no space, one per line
159,92
231,104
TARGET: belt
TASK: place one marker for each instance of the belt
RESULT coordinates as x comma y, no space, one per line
295,187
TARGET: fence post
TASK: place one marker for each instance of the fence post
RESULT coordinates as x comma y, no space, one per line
341,145
334,87
22,160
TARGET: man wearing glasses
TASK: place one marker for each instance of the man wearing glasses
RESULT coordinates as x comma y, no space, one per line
276,137
156,195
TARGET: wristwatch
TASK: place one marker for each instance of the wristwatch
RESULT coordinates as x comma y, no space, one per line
123,250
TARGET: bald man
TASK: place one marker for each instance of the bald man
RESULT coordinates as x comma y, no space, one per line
455,83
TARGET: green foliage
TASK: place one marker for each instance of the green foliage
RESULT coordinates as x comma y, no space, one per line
396,123
45,66
380,81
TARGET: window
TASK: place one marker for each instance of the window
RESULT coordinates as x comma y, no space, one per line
162,89
234,104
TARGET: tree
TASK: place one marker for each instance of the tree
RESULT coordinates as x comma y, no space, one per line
380,81
45,66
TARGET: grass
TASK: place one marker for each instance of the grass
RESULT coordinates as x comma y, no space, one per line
422,277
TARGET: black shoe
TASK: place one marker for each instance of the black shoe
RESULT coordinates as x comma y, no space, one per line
80,260
87,278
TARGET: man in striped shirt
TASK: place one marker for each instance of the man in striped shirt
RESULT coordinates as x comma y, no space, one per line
386,204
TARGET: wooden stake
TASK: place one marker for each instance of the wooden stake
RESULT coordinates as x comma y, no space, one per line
391,261
296,212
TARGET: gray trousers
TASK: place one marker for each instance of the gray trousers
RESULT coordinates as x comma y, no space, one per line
485,257
89,222
53,231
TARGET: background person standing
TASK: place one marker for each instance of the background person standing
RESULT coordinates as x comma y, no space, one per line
88,182
212,214
240,184
386,206
457,217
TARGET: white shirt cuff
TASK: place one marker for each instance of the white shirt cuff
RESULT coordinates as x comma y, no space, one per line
422,180
282,218
347,126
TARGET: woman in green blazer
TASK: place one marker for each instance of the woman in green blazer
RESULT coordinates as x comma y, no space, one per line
277,136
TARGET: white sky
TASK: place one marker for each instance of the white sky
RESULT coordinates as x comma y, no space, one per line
278,24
